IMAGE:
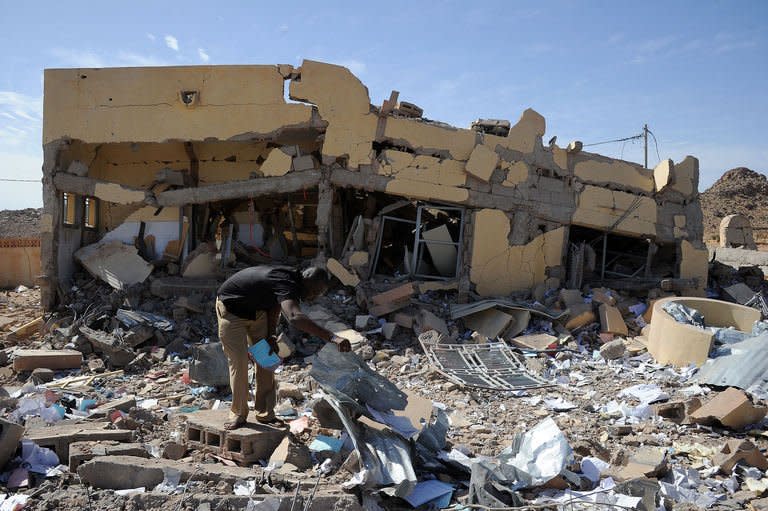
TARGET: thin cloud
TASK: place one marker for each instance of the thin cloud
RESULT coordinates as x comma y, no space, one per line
203,55
172,43
151,37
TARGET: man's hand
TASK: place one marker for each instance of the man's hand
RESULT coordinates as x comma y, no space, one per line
341,343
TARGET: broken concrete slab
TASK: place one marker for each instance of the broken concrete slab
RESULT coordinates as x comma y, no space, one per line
80,452
59,436
114,262
490,322
124,472
340,272
611,320
28,360
731,408
613,349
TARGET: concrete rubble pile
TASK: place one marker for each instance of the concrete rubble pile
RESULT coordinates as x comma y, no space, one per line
531,326
119,397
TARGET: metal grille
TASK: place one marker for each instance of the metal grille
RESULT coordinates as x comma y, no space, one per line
489,366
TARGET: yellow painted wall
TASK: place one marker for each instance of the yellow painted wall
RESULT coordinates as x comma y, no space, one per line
144,105
600,208
19,265
498,269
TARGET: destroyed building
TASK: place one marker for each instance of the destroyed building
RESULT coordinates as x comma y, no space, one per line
274,162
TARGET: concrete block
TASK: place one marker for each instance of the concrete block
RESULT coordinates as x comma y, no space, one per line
28,360
10,435
42,375
80,452
482,163
611,320
392,300
613,350
205,429
731,408
534,341
340,272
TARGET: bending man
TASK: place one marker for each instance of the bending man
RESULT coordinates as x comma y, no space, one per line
248,306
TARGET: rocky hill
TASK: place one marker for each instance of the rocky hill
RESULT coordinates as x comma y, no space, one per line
739,190
20,223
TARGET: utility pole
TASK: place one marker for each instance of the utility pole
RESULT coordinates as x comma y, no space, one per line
645,139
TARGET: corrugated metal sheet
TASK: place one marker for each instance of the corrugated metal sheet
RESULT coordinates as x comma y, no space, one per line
745,368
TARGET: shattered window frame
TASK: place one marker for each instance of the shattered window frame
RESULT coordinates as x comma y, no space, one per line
416,250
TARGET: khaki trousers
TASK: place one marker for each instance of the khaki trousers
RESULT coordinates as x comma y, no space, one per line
236,335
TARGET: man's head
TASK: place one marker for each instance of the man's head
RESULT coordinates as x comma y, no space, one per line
314,283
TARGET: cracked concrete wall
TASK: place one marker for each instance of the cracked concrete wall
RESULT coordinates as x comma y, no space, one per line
237,137
498,268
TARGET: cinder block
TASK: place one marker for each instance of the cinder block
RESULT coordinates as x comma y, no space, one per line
247,444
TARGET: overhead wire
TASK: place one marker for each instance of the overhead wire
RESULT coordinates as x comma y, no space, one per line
20,180
633,137
655,143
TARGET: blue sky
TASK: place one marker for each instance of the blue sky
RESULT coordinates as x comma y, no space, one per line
696,72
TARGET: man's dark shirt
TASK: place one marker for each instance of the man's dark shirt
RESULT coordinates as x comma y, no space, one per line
259,288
